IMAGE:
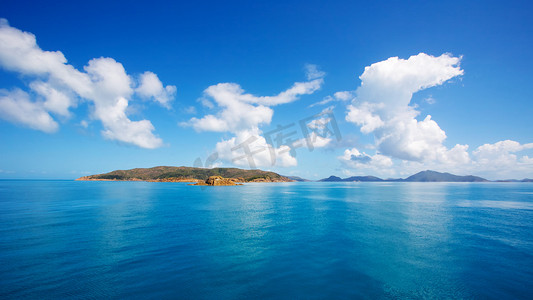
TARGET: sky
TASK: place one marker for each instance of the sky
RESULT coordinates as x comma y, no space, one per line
302,88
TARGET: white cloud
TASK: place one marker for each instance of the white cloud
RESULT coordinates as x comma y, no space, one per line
394,80
20,53
354,159
363,116
316,140
190,110
312,72
409,139
205,102
242,114
344,95
430,100
382,106
456,156
151,87
501,160
249,149
111,88
238,112
119,127
243,111
56,101
404,145
501,157
491,151
324,101
319,123
338,96
16,107
104,83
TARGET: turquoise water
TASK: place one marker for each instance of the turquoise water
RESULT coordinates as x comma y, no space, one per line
67,239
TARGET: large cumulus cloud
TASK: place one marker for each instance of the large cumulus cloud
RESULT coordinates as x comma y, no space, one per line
56,86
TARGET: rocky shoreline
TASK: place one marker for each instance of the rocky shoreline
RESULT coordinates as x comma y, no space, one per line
90,178
219,180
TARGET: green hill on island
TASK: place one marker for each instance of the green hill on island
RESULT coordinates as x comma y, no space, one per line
189,174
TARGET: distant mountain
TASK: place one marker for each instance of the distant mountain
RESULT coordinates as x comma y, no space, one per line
180,174
351,179
432,176
363,178
296,178
424,176
515,180
331,178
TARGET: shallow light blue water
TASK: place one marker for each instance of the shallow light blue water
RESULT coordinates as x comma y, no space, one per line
67,239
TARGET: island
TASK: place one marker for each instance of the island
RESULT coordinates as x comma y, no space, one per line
424,176
198,176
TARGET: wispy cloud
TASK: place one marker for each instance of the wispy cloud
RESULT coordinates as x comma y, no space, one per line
243,113
338,96
430,100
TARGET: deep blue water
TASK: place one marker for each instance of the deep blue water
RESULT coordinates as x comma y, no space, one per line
68,239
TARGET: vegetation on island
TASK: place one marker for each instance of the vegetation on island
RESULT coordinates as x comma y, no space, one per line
188,174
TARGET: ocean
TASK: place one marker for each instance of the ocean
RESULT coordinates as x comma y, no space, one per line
309,240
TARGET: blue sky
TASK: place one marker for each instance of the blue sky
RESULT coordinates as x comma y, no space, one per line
111,85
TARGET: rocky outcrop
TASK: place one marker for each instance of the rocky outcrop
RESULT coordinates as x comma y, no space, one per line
219,180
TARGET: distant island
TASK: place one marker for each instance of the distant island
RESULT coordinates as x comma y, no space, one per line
424,176
189,174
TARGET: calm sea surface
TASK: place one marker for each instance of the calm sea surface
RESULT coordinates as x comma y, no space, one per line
68,239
